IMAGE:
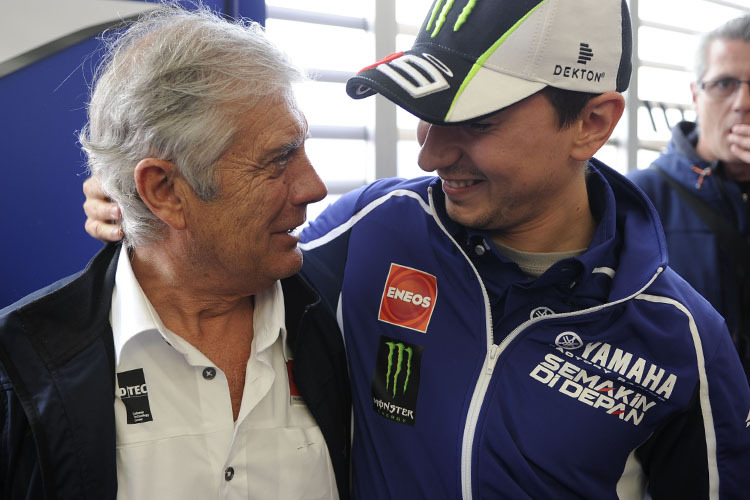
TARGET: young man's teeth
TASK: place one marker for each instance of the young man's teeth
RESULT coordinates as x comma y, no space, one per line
459,184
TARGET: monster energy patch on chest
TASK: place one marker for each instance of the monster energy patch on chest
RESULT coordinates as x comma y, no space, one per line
395,383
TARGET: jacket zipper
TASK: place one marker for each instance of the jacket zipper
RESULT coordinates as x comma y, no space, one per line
493,355
490,359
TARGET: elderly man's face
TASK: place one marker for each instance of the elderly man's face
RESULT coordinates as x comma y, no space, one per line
245,239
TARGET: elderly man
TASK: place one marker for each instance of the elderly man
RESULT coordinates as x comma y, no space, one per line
700,185
178,365
511,325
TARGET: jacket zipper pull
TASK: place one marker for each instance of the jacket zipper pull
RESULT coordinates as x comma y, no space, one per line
494,351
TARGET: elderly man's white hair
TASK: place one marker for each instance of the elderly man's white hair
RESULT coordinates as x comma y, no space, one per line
170,87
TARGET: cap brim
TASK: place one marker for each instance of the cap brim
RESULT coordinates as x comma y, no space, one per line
440,87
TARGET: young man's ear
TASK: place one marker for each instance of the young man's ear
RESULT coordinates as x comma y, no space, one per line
596,124
156,181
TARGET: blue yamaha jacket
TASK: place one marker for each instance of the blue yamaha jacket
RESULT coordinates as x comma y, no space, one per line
605,376
694,251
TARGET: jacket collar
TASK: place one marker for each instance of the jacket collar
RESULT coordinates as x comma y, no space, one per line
85,318
628,240
299,297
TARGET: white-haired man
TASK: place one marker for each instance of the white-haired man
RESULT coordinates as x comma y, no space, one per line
190,361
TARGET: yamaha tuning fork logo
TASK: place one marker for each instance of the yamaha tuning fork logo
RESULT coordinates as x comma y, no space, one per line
568,340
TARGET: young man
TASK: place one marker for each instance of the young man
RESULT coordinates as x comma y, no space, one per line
512,328
710,160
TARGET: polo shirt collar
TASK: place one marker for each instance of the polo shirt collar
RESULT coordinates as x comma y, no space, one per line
132,313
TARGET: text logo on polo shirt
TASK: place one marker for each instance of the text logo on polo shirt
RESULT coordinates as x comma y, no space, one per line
395,383
408,298
133,392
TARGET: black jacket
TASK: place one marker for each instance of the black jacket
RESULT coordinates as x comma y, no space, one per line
57,424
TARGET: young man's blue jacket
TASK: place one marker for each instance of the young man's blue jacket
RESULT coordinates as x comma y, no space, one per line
57,381
694,251
605,375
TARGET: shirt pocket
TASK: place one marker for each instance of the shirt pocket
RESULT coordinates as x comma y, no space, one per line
290,463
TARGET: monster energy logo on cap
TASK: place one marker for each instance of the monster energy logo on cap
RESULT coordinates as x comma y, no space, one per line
440,13
395,383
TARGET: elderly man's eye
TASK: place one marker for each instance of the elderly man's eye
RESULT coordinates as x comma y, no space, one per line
283,159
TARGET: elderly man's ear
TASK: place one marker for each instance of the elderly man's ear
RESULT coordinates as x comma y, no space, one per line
161,187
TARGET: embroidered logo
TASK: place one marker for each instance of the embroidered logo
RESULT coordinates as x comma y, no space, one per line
568,340
133,392
416,75
585,53
408,298
540,311
395,383
439,19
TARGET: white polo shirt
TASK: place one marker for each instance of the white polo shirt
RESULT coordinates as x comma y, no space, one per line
176,438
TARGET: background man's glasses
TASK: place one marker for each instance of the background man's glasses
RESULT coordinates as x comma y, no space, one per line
723,87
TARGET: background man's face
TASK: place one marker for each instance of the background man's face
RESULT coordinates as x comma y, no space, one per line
716,116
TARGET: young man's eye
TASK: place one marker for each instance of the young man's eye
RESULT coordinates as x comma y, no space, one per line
479,126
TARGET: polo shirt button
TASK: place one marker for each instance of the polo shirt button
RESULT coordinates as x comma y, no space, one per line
209,373
228,473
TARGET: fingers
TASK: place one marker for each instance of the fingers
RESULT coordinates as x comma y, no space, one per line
101,209
739,141
92,188
103,231
103,216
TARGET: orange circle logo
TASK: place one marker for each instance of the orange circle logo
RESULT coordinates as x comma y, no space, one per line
408,298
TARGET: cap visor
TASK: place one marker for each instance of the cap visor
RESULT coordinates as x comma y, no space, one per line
440,87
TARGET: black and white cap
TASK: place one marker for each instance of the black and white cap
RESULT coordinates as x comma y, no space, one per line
474,57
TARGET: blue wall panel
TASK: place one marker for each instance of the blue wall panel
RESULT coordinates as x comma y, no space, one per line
42,106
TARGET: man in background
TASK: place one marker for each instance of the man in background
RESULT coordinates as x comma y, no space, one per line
190,361
701,185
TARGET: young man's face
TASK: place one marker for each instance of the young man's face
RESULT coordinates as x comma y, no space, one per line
717,115
508,173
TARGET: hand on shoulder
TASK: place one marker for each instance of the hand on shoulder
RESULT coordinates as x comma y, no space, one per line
102,215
